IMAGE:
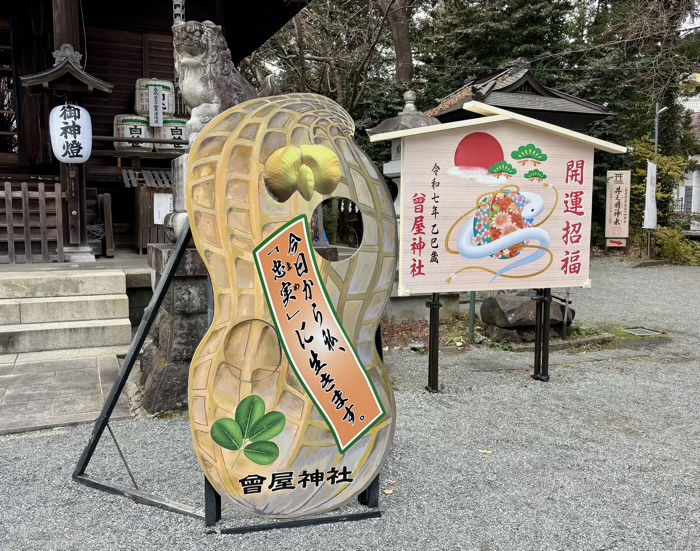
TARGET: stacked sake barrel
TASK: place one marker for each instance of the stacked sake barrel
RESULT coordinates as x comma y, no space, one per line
139,125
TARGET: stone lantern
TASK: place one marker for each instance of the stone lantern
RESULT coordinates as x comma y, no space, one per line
408,118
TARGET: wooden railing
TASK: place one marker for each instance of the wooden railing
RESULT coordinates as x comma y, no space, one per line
31,223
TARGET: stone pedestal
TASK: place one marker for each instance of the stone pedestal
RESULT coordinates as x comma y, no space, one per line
179,327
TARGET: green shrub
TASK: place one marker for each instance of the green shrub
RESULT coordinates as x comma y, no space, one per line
672,245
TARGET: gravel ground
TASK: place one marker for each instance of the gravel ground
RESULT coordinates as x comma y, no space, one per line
602,457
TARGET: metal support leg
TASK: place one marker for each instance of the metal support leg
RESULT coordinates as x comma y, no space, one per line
433,342
128,470
149,317
542,320
538,334
101,424
472,315
546,310
565,325
212,504
212,499
370,496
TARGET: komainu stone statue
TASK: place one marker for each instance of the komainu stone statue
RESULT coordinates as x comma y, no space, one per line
209,81
210,84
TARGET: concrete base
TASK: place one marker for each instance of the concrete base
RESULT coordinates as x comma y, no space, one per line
414,308
41,393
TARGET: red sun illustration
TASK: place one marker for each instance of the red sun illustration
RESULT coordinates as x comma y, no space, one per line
478,150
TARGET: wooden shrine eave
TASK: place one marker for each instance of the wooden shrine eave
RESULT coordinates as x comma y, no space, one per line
516,89
66,75
490,114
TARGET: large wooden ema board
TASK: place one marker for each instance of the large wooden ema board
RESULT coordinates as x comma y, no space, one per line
500,202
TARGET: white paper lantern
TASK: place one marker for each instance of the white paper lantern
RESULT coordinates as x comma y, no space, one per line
71,133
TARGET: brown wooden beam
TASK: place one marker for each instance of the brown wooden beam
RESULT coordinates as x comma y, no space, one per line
66,23
66,30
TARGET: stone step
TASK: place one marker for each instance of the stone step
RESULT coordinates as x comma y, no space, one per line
34,337
61,283
63,354
14,311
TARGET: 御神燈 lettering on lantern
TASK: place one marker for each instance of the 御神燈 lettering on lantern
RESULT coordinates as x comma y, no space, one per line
71,133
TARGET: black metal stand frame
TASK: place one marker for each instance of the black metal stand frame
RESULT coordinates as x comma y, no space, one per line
542,316
434,305
542,329
212,500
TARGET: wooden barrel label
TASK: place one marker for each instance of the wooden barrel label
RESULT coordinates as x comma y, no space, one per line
314,340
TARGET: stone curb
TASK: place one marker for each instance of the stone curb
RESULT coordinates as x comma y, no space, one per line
603,338
649,263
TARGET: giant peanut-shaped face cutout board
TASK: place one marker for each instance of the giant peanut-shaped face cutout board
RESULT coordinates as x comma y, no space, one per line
291,409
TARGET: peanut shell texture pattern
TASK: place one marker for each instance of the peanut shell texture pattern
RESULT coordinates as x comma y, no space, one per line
252,170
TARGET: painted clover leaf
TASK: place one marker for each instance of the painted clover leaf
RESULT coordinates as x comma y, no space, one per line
227,433
503,169
250,432
529,154
536,175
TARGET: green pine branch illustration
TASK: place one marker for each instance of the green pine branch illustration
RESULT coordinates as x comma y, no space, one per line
503,169
250,432
536,175
529,154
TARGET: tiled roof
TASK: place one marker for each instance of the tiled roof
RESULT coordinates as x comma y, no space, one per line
455,100
511,100
500,88
510,77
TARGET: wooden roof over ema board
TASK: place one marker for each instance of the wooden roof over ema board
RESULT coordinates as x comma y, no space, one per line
490,114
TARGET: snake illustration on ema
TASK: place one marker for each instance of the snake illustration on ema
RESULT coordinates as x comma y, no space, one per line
503,224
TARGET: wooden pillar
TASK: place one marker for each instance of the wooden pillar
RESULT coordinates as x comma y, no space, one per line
73,184
66,30
66,23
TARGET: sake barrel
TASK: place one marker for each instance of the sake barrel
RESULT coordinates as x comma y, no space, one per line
167,96
132,126
172,129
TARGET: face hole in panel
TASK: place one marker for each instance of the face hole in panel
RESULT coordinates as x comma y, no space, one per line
252,348
337,229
